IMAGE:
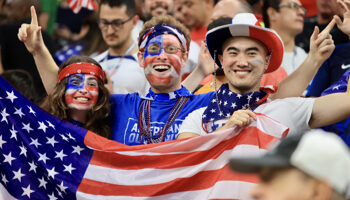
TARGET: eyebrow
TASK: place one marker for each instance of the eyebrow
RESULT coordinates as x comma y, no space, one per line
248,49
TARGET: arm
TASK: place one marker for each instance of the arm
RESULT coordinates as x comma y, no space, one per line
330,109
30,35
204,68
345,25
321,47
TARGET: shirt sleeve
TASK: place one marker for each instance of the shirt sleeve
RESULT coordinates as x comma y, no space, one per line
193,123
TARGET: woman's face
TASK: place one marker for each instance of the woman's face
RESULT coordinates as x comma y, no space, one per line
81,92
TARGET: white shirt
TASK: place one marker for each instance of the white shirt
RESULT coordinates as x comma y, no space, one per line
292,60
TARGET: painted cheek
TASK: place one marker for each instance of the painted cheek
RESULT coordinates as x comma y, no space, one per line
175,61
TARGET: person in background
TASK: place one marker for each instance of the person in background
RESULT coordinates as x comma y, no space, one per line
310,165
47,18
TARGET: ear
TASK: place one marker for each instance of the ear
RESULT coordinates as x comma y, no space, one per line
267,62
221,60
135,19
273,14
184,59
140,57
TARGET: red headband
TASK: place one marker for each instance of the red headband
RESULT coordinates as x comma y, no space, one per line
81,68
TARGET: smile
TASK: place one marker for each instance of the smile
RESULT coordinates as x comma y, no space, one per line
161,68
84,99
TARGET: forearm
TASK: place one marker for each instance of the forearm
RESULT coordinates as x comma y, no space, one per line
295,84
47,68
193,80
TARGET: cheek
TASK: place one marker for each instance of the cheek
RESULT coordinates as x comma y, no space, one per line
176,62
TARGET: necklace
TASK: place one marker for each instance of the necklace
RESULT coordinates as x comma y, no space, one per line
144,121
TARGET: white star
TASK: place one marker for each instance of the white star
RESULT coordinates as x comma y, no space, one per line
71,137
27,191
233,105
52,196
13,132
32,166
4,114
77,149
204,116
223,92
31,110
52,172
27,127
211,119
42,182
62,187
19,112
59,193
257,99
9,158
43,157
51,141
60,154
35,142
42,126
11,96
336,87
3,178
225,103
213,101
221,114
50,125
64,137
17,175
228,115
1,141
68,168
23,150
229,93
250,97
212,110
239,96
220,102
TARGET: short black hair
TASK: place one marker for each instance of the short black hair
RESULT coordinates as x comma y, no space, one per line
130,5
269,4
219,22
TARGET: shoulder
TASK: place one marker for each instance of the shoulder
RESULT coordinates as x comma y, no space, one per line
101,56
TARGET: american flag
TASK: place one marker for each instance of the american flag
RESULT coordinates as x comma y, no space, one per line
42,157
76,5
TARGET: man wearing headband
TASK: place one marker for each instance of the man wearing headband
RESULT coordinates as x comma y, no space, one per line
246,51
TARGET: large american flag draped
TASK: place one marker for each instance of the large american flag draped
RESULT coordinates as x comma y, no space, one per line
42,157
76,5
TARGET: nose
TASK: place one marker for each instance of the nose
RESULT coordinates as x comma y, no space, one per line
83,91
109,29
241,61
162,55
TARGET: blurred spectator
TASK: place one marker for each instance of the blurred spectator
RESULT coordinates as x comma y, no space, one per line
286,17
310,6
326,10
14,54
89,41
47,18
117,18
23,82
195,14
309,166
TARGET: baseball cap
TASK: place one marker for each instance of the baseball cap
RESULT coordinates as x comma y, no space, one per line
246,24
319,154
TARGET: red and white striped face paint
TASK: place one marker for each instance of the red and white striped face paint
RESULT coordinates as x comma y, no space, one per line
81,92
163,60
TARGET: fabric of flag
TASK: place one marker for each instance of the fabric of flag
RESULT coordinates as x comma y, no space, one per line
76,5
42,157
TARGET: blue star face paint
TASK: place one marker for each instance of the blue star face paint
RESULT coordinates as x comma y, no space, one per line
81,91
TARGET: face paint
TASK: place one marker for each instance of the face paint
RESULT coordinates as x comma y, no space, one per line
162,67
81,92
258,61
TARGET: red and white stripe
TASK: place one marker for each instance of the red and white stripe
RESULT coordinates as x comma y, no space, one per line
195,168
76,5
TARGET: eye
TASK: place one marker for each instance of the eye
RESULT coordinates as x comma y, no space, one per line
171,49
232,53
251,53
75,82
153,48
92,83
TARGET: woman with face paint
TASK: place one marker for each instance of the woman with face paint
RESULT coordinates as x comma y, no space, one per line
80,96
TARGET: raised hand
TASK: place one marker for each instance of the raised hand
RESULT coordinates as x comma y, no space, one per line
345,24
322,44
30,34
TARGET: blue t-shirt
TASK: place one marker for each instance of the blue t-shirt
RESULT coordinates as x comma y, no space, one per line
125,113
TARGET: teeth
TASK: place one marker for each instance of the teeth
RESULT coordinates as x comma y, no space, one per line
82,99
161,67
242,72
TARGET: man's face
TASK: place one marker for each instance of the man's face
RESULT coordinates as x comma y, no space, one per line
158,7
327,8
225,8
283,184
193,12
289,19
81,91
115,37
163,60
244,62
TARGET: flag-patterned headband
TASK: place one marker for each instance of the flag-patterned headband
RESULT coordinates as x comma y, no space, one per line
81,68
161,30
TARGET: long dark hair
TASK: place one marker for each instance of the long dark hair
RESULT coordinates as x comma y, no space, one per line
96,119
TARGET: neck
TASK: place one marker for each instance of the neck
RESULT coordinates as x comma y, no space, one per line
288,39
120,51
156,89
219,81
78,115
242,91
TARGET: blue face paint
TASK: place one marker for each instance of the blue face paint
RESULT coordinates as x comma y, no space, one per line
76,82
156,40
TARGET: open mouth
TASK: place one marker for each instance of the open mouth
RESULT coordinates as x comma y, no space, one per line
242,72
82,99
161,68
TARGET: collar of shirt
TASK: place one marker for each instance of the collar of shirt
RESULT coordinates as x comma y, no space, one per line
182,92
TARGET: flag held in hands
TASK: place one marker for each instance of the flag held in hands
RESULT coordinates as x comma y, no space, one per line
42,157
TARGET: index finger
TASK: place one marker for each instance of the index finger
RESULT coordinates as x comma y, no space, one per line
33,15
329,27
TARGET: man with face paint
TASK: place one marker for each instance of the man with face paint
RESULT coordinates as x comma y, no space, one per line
246,51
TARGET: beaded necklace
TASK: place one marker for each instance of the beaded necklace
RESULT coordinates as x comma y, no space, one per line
144,121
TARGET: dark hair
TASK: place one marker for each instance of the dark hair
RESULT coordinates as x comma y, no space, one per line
22,81
130,5
267,4
96,119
